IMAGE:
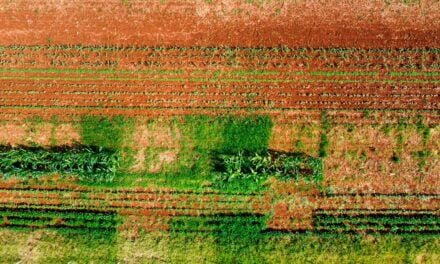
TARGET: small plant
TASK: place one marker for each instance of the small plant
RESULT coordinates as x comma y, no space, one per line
350,127
299,145
386,129
395,158
325,122
423,129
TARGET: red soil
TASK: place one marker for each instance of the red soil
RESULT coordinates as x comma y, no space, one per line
311,23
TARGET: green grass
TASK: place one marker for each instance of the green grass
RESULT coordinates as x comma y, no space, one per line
201,138
223,226
247,134
63,246
45,246
204,136
111,133
105,132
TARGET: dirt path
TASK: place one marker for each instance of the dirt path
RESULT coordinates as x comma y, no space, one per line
306,23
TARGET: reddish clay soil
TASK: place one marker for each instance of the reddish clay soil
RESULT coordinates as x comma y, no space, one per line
309,23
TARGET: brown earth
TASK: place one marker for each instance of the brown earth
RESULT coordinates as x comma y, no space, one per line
43,134
308,23
361,161
155,145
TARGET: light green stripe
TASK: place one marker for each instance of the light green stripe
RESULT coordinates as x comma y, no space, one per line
165,72
88,71
213,80
414,73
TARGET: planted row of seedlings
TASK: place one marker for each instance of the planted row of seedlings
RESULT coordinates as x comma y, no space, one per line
408,63
52,218
190,212
42,209
404,221
361,213
397,56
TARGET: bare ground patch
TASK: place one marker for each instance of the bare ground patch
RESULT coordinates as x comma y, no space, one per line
162,142
43,134
301,137
362,160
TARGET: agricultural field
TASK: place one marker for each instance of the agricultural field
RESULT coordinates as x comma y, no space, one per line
254,131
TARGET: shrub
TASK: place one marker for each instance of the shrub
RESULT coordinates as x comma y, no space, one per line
88,163
258,166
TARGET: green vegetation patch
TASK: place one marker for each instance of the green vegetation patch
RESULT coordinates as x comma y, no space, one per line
94,164
105,132
204,136
254,168
379,223
110,133
247,134
326,127
57,246
200,135
223,227
47,246
47,218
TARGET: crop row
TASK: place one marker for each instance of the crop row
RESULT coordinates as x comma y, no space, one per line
152,209
16,217
225,73
378,223
134,197
14,185
198,59
318,90
144,208
281,116
105,106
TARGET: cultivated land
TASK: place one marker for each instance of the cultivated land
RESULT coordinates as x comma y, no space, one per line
236,132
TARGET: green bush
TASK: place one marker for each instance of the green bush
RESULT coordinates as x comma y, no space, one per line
257,167
88,163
